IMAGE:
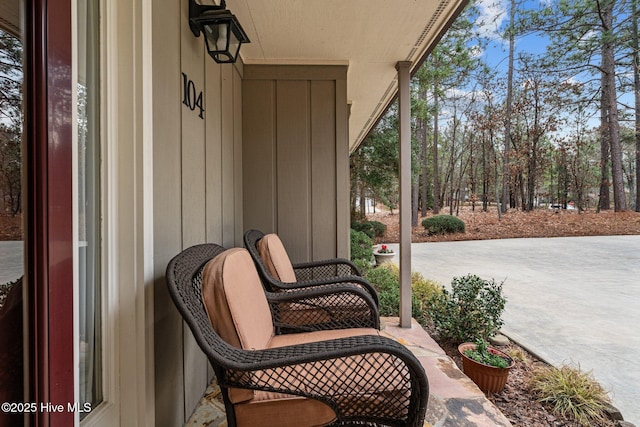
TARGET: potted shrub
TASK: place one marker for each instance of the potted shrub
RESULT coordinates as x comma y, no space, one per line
487,366
383,255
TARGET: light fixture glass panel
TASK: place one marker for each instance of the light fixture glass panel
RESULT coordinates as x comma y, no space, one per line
234,44
223,37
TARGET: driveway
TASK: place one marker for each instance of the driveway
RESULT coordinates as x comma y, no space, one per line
569,300
11,253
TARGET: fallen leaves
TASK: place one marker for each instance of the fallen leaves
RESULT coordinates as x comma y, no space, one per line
10,227
517,224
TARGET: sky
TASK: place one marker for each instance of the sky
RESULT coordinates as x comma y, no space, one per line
493,19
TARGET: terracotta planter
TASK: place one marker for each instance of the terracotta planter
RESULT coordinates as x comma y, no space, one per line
488,378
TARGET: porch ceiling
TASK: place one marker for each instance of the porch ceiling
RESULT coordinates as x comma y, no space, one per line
371,36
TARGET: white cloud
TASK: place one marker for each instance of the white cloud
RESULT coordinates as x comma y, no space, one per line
493,13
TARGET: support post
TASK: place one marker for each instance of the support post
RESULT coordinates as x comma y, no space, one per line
404,126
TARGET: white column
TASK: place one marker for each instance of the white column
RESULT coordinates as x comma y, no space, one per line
404,126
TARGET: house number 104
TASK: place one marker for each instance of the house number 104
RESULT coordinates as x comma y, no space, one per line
189,97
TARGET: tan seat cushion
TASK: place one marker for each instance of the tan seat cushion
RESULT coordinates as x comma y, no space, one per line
315,336
236,305
235,300
267,409
275,258
281,410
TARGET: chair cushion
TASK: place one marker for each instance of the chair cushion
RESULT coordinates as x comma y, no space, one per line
357,376
315,336
281,410
268,409
235,301
275,258
236,305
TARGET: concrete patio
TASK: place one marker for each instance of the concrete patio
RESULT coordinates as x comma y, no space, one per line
454,400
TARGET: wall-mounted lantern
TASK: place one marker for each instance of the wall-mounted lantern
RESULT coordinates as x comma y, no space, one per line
223,33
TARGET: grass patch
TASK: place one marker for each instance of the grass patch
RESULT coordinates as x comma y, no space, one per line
571,392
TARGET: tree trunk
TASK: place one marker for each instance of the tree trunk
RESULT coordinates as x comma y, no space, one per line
363,202
472,177
506,175
451,178
424,205
636,85
485,177
436,183
414,205
604,202
611,103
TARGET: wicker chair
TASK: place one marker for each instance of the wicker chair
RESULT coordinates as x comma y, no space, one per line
278,273
345,377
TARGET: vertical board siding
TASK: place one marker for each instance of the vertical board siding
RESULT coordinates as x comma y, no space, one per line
323,169
258,154
213,151
227,162
167,221
293,167
197,190
237,158
295,157
343,179
193,59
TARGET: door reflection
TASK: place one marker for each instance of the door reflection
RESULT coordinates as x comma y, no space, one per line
11,229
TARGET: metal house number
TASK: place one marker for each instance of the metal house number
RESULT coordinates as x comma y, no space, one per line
189,97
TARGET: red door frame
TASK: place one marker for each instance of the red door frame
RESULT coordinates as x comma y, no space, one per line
49,227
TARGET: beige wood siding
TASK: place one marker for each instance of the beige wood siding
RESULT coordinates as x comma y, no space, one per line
197,190
295,157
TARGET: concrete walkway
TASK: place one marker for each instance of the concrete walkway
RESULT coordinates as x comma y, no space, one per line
569,300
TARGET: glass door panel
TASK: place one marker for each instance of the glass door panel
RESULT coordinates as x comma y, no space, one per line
88,204
11,225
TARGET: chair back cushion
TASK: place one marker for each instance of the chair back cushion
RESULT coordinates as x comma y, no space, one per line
275,257
235,300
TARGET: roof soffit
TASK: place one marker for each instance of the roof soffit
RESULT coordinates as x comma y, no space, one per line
369,35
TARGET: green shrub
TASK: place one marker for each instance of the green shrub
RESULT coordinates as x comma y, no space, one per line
424,290
364,227
443,224
378,228
572,392
361,249
370,228
385,279
472,310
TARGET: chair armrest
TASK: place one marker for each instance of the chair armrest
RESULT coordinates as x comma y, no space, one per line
325,269
352,280
364,377
324,307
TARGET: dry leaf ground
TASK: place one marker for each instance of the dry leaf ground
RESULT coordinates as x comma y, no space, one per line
10,227
515,224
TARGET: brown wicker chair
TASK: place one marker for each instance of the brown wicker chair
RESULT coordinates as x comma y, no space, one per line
279,274
346,377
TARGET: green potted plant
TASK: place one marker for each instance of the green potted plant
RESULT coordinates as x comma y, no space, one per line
487,366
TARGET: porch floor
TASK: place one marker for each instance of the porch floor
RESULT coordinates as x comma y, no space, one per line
454,400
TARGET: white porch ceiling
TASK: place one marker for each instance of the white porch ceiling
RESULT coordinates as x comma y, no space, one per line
371,36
